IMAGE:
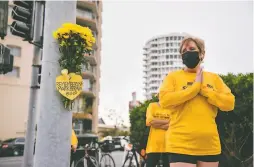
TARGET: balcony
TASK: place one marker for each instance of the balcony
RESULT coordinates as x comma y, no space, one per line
87,19
87,90
88,73
92,58
88,4
82,115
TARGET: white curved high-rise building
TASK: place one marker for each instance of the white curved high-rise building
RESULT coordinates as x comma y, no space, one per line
161,55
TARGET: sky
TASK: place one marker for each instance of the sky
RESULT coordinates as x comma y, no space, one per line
226,27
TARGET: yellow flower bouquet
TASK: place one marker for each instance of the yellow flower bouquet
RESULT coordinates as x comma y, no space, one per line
74,42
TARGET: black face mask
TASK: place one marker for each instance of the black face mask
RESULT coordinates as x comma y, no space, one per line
191,59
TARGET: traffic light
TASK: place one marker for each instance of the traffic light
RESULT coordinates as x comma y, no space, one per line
23,14
3,18
6,60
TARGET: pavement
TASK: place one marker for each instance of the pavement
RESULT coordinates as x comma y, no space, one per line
10,161
17,161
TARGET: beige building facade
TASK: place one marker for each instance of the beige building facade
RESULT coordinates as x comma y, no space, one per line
15,86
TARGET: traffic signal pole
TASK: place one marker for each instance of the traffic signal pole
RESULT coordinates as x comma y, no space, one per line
54,127
30,131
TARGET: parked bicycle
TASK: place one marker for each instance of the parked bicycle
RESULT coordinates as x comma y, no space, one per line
87,160
132,155
103,148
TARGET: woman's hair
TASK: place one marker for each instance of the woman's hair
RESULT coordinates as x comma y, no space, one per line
199,42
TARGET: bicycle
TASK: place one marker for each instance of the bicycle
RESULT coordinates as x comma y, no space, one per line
132,153
87,160
106,155
106,159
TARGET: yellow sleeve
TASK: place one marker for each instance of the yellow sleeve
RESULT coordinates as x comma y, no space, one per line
149,114
221,97
74,139
170,97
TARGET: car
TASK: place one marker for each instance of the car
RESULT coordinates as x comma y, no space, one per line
119,142
12,147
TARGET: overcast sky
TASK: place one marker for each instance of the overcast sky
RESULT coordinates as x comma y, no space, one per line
226,27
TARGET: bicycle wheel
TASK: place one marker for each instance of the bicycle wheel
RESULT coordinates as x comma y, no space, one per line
107,161
87,162
129,161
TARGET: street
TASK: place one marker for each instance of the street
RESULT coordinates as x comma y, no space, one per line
17,161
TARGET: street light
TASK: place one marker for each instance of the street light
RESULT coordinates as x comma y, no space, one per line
3,18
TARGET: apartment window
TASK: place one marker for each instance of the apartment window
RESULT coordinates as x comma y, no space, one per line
167,56
179,38
171,62
175,56
167,50
14,73
175,50
171,38
167,44
166,38
85,13
171,56
179,56
175,38
15,50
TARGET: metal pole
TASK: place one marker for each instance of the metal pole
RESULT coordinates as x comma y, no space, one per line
30,132
54,127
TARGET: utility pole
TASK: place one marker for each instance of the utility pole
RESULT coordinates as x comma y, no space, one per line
54,126
37,41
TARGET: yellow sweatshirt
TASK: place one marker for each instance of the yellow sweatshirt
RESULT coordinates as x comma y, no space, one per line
74,139
156,138
193,109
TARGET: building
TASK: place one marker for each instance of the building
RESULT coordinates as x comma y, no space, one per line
15,86
134,102
161,55
89,14
102,127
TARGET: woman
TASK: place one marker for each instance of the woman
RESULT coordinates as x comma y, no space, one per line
158,120
194,97
74,144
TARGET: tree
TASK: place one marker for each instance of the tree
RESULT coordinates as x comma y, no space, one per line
114,116
114,132
236,128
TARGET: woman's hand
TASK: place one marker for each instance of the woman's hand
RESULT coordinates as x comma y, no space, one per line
199,77
74,148
159,122
165,127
